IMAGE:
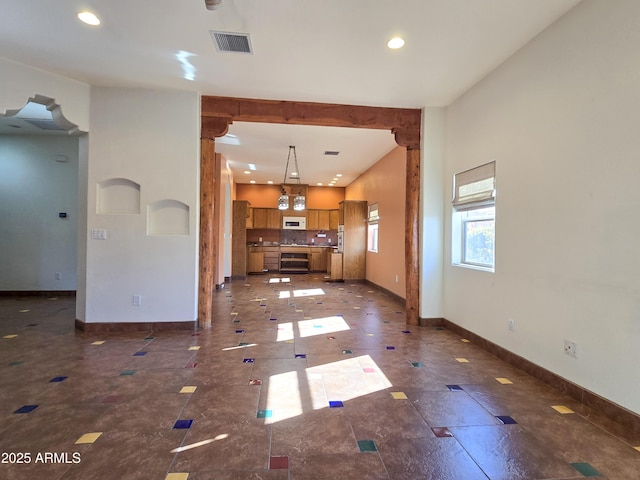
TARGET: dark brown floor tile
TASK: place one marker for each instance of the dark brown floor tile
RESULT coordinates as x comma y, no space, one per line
235,446
508,452
119,455
314,432
339,466
428,458
449,409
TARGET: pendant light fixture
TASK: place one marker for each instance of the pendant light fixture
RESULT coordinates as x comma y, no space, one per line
299,201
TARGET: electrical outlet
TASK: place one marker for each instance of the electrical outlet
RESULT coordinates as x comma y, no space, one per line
58,275
137,300
512,324
570,348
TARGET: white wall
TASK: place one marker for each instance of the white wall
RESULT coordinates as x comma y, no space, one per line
560,118
36,244
151,138
431,212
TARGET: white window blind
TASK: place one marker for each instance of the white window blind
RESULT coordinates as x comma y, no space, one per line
373,213
475,188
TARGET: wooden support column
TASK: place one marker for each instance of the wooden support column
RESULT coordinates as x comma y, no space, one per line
410,139
412,236
211,128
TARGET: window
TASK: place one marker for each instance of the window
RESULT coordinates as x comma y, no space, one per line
372,237
473,232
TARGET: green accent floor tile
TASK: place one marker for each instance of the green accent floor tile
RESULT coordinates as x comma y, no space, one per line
586,469
367,446
127,372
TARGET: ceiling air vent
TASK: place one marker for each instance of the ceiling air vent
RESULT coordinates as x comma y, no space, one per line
331,152
231,42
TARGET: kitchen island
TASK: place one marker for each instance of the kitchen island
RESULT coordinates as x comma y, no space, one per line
288,258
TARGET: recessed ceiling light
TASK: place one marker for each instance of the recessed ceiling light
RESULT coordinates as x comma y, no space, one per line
252,166
319,184
89,18
247,172
338,174
270,182
395,43
252,181
293,174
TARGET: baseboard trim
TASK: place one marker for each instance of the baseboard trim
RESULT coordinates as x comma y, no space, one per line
431,322
395,296
600,404
38,293
190,326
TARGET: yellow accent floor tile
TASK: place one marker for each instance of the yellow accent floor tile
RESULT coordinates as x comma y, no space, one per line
99,342
562,409
356,308
188,389
10,336
399,395
465,340
24,311
504,381
298,311
88,438
194,348
462,360
637,448
177,476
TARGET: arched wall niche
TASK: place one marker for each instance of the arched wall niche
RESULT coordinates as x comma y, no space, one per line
118,196
168,217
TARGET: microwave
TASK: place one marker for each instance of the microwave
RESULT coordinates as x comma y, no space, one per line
294,223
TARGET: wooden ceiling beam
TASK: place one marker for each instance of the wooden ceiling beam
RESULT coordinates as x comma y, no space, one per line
406,120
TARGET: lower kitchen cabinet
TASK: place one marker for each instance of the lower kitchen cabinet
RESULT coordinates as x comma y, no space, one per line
256,262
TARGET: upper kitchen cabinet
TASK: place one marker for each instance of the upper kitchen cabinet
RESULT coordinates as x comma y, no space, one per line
334,219
321,220
266,218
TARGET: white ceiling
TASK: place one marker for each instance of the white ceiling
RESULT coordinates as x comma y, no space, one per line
330,51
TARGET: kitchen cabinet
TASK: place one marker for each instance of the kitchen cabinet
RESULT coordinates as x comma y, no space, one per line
274,219
334,219
354,249
239,238
259,218
256,262
321,219
250,218
317,259
266,218
312,219
271,258
334,265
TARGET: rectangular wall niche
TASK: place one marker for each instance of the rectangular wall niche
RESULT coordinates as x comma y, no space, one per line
168,217
118,196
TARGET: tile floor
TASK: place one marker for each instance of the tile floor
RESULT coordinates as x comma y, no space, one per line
298,379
